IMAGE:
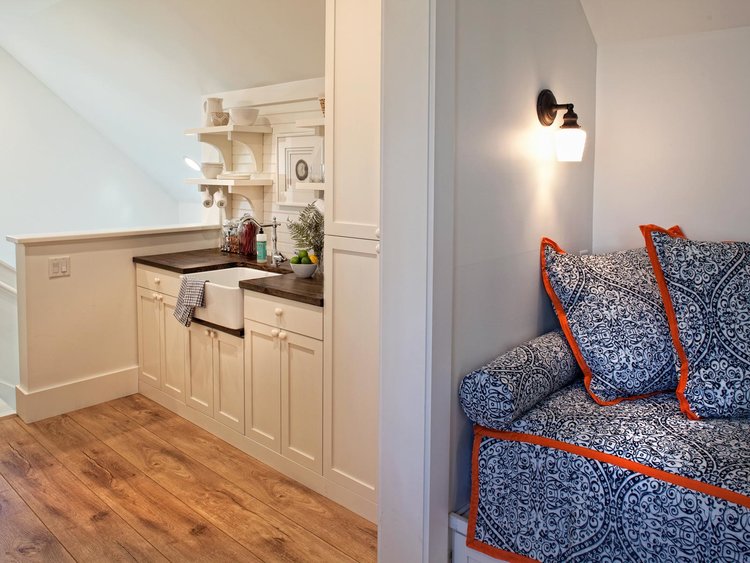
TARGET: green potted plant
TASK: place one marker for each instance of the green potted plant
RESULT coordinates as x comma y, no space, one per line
307,232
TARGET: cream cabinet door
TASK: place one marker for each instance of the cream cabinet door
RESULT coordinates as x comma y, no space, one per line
302,400
351,360
149,337
229,382
352,139
199,381
174,353
262,385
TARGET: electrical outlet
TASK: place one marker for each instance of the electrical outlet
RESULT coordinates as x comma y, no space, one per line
59,266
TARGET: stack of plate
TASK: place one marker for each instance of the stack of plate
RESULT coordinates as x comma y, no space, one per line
229,175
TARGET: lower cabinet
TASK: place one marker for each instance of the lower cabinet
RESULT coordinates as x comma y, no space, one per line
161,343
284,393
215,383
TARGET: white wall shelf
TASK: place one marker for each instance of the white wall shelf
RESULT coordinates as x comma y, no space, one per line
310,186
230,183
227,129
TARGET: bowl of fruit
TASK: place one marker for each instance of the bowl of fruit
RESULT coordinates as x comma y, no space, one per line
302,264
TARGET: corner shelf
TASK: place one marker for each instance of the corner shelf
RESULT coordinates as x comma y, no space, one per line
227,129
222,138
312,122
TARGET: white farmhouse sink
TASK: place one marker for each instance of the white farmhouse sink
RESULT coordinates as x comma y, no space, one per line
224,305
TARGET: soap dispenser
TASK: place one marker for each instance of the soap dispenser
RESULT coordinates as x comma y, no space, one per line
262,239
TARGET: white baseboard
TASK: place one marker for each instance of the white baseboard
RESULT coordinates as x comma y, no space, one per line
52,401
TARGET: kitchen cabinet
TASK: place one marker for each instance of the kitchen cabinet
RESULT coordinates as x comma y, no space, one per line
352,142
351,358
161,343
284,378
215,382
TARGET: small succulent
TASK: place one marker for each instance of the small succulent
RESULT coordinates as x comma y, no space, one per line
307,231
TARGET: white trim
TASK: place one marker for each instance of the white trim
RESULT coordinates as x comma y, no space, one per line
8,289
97,235
52,401
460,552
284,93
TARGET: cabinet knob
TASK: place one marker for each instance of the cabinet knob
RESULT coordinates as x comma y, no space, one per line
208,333
283,335
155,296
377,249
157,281
278,311
160,298
377,233
275,332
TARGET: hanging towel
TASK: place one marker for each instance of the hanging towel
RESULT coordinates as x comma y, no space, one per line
192,295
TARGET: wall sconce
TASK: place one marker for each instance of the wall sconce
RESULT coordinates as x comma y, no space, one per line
570,139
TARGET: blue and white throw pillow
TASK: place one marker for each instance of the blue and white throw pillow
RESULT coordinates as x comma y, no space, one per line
497,394
706,291
611,311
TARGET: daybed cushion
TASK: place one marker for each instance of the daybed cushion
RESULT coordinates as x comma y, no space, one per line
512,383
611,311
571,481
706,291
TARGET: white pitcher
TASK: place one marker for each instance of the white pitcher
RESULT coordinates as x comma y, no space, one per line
211,105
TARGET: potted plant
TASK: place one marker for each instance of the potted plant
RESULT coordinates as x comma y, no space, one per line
307,232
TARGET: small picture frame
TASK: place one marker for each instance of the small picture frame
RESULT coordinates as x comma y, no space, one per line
299,158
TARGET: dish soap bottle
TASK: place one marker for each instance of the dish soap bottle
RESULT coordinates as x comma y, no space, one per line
261,242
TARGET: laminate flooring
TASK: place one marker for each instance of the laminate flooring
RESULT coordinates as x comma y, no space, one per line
129,480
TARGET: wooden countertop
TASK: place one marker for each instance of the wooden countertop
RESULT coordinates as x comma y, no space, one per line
286,286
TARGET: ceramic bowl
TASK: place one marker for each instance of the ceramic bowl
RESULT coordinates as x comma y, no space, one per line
304,270
211,170
243,116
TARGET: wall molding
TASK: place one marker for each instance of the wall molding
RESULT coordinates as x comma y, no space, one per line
52,401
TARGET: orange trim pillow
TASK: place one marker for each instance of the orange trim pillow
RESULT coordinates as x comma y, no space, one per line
611,311
706,292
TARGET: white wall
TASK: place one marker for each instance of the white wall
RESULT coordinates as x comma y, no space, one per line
136,69
509,191
58,173
8,335
673,131
77,334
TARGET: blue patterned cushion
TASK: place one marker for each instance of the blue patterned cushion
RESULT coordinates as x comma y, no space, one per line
511,384
571,481
611,310
706,288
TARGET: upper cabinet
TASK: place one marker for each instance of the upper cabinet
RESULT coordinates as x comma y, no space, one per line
352,142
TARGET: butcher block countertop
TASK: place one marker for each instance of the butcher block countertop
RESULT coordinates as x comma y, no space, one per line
286,286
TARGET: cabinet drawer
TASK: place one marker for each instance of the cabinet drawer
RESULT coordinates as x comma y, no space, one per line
285,314
154,279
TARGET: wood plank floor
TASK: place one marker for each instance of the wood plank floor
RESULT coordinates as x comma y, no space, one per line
129,480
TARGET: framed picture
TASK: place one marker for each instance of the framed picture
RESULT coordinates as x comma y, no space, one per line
300,161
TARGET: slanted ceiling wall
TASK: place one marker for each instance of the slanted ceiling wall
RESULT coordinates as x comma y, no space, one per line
116,85
673,131
510,192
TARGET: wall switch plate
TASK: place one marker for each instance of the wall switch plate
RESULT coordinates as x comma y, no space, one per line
59,266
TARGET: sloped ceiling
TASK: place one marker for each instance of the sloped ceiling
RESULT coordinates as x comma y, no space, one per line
616,21
135,69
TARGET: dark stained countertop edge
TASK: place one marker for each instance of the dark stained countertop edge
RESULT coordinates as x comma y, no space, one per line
286,286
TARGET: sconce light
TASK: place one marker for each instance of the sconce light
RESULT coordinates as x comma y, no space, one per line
570,139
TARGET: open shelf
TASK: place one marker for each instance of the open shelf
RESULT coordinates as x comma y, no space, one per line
310,186
230,183
229,129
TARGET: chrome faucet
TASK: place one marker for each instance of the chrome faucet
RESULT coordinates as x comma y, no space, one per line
276,256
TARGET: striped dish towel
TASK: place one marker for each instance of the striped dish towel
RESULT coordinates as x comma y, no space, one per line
192,295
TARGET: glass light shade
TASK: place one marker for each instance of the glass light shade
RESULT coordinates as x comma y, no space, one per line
569,144
192,164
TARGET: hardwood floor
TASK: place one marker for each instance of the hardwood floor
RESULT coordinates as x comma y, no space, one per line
129,480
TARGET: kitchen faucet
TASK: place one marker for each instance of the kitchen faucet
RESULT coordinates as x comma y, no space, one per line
276,256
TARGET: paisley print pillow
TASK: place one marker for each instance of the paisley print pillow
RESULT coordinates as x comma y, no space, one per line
612,314
706,290
497,394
